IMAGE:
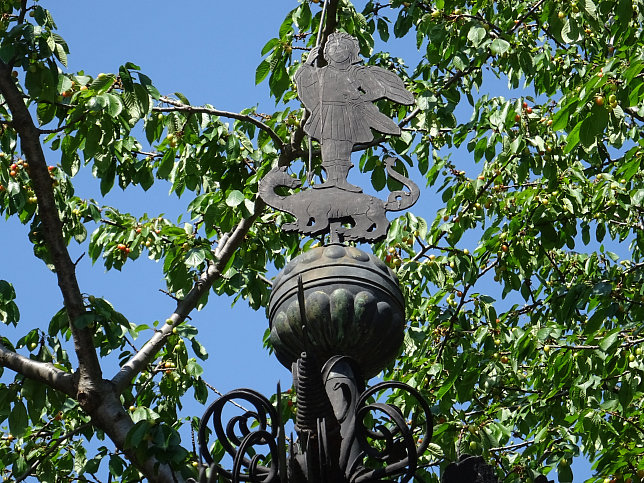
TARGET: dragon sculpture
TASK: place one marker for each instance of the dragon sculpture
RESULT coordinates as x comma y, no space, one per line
315,209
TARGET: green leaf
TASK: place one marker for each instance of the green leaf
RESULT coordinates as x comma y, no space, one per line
499,46
235,198
84,320
447,385
600,232
587,132
114,106
18,419
61,54
199,349
590,8
7,292
564,473
624,11
147,83
270,45
573,138
476,35
383,29
195,257
45,113
560,119
107,178
136,434
262,71
193,368
102,83
378,178
303,16
116,465
609,341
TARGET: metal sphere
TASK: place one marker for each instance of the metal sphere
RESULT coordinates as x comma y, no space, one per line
353,307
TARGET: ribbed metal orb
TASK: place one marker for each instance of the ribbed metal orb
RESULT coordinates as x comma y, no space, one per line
353,307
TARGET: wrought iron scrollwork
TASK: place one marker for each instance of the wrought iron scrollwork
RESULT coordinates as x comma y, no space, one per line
239,439
398,450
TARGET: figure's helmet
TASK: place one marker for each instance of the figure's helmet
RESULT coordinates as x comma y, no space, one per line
342,48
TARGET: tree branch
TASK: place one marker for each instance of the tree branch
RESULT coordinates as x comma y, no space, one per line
512,447
223,253
42,372
89,368
112,418
179,106
330,21
96,396
634,113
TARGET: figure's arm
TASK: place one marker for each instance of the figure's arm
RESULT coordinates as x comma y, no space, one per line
306,79
313,56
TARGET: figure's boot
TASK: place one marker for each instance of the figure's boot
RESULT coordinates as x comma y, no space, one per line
337,172
336,163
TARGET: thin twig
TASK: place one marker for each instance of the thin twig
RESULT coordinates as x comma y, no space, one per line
57,443
217,391
176,299
180,106
512,446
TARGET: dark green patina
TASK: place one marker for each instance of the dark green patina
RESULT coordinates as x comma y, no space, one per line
353,307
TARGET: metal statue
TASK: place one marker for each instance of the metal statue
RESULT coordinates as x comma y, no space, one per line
339,97
339,93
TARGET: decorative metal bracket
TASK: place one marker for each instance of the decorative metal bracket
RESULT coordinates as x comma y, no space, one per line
335,441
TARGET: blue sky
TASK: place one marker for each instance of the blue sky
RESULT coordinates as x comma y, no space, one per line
207,50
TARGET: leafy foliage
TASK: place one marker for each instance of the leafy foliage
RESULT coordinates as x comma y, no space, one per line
524,288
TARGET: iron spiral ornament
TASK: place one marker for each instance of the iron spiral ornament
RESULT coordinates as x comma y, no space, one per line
241,434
